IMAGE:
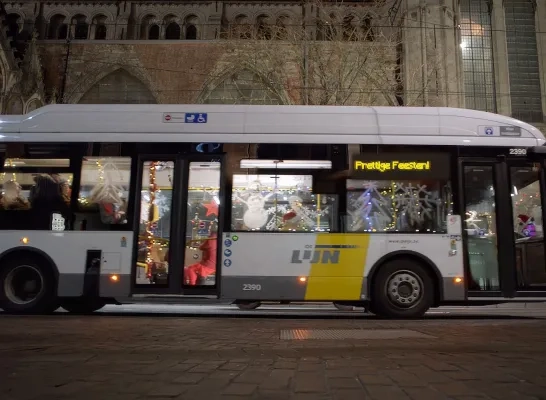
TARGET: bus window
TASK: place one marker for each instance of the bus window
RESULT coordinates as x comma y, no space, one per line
480,227
155,222
528,226
202,223
398,206
104,188
284,203
34,200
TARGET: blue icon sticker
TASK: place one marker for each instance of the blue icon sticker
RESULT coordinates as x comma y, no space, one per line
227,263
489,131
227,252
227,242
481,232
196,118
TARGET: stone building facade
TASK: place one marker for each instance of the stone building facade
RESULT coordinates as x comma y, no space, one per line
483,54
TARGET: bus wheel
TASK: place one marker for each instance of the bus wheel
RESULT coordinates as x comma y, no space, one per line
402,289
28,286
248,305
82,305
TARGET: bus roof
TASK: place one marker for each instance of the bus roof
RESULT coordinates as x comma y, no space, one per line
267,124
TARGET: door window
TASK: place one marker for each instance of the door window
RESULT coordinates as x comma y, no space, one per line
480,228
528,226
202,224
155,223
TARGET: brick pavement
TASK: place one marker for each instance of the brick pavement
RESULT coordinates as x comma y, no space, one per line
142,357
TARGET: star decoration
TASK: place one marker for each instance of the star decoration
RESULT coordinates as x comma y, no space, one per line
212,209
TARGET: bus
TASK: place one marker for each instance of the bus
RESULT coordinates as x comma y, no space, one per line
395,209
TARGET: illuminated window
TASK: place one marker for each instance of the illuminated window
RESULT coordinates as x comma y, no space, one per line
477,55
104,187
278,202
403,191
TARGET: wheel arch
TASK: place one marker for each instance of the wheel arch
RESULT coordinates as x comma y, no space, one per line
31,251
430,266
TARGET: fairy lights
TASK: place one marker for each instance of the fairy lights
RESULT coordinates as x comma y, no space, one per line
100,168
152,189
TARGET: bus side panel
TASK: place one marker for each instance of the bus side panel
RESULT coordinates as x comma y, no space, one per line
320,266
68,250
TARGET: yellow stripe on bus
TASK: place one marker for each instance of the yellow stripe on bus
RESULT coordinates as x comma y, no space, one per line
340,278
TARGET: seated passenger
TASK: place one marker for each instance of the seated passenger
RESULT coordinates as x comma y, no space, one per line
65,191
12,199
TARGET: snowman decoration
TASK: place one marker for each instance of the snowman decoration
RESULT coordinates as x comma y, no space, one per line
255,216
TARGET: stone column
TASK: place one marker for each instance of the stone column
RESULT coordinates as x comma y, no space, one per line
500,57
540,18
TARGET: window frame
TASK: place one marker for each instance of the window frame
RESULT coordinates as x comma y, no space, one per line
284,172
439,153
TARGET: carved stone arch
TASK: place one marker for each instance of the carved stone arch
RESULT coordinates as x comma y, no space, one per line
20,18
171,17
86,14
277,95
110,19
148,12
193,12
33,103
57,11
91,79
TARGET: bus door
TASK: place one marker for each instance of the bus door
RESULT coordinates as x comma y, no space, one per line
503,227
179,228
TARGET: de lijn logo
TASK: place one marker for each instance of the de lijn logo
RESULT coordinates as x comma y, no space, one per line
319,254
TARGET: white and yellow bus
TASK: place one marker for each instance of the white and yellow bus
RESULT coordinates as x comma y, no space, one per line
396,209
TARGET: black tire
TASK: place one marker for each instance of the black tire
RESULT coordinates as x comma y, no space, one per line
80,305
343,307
402,288
19,272
248,305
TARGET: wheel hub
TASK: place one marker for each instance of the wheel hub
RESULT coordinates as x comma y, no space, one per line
404,289
23,284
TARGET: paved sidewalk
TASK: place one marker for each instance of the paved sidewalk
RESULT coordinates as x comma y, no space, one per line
164,357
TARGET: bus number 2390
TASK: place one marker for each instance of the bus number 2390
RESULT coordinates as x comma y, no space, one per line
252,286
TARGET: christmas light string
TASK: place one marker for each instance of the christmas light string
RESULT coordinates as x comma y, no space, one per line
150,241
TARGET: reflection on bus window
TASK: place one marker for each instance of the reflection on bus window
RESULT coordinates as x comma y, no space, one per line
155,222
526,202
23,191
283,203
528,226
389,206
480,228
104,187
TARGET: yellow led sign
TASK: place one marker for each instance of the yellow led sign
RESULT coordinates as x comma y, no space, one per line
393,165
433,165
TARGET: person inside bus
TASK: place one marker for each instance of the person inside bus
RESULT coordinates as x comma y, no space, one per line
47,200
65,190
12,199
207,265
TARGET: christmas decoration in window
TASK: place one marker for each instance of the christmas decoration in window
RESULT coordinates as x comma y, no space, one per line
279,203
406,206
